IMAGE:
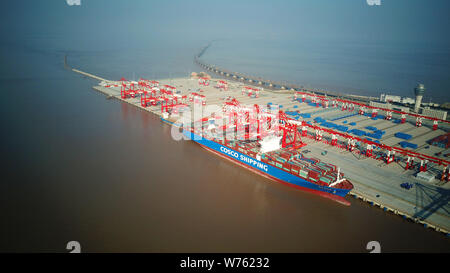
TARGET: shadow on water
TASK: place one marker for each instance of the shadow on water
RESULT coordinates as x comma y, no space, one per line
431,199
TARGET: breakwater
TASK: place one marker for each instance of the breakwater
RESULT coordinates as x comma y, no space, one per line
269,84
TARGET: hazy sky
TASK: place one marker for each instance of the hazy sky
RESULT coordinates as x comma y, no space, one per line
97,21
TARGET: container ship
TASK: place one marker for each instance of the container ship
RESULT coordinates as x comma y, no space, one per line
260,138
267,157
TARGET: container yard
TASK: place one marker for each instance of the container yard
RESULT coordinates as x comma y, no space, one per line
396,161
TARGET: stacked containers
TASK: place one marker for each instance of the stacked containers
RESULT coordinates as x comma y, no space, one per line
325,167
313,175
325,180
303,173
406,144
287,167
442,141
295,169
403,135
311,169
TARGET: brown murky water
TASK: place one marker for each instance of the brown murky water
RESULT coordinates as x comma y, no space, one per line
80,167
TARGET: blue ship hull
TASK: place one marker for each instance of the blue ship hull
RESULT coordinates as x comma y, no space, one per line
263,168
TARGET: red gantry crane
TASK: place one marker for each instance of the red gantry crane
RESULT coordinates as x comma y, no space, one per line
363,108
222,85
250,91
203,81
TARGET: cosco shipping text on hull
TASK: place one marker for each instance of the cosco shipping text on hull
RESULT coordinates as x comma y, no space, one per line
263,168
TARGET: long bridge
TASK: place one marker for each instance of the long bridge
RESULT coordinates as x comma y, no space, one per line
269,84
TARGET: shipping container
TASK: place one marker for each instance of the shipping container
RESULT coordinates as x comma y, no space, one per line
303,173
313,174
326,180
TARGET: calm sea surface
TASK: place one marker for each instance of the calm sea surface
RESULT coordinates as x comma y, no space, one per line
363,69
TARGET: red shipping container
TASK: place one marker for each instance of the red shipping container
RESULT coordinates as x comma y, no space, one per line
313,174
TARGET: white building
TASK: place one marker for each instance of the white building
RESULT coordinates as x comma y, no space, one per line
380,105
401,109
408,100
399,99
390,98
434,113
